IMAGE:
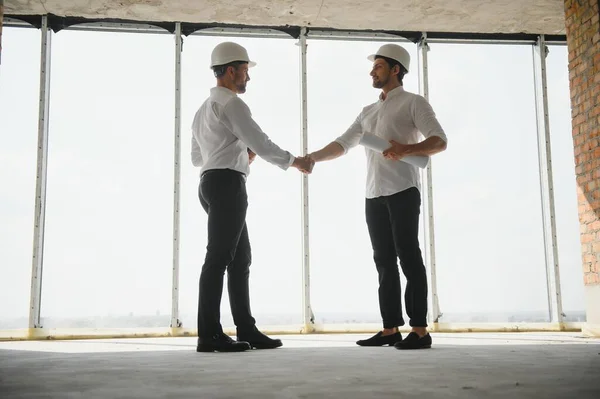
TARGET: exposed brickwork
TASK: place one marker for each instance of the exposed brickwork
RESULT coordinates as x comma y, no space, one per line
583,38
1,21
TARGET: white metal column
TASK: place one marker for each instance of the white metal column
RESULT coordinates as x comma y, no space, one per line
540,52
428,221
175,322
307,313
41,178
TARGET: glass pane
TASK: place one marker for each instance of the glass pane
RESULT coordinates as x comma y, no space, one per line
108,254
565,184
344,279
488,220
273,217
19,100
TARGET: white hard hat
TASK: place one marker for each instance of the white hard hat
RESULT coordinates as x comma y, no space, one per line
394,52
227,52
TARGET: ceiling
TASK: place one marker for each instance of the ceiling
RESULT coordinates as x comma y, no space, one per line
456,16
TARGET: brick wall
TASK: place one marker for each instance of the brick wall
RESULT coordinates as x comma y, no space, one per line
583,39
1,20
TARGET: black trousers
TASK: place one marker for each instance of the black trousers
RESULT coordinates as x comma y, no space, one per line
393,223
223,196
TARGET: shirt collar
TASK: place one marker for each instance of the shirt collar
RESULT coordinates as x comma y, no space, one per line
392,93
222,89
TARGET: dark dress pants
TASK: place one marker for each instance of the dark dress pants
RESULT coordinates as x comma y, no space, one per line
223,196
393,223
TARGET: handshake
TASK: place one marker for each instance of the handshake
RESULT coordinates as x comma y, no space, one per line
304,164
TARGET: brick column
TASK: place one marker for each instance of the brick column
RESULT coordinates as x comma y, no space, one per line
1,22
583,39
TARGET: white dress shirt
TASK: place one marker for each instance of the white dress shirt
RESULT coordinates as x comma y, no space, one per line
223,130
400,117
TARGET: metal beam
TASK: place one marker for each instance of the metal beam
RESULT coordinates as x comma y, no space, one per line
540,52
354,36
505,42
428,220
41,178
242,32
175,322
319,34
307,313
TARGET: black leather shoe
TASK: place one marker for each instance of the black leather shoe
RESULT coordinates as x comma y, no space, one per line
258,340
221,343
380,340
413,341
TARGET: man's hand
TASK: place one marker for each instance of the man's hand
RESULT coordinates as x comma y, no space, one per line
304,164
251,156
397,151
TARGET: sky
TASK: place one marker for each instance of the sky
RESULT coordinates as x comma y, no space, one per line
108,248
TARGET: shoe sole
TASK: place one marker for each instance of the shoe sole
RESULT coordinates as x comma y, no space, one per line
265,346
209,349
421,347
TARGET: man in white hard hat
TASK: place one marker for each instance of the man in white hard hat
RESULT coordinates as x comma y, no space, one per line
393,193
225,139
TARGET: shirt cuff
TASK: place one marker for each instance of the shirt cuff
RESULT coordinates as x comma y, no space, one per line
291,161
440,135
343,145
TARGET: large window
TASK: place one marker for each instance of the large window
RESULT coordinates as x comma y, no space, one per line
273,216
109,209
488,221
107,260
19,98
565,184
344,279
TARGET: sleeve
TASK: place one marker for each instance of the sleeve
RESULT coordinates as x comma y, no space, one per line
351,138
238,119
425,119
196,153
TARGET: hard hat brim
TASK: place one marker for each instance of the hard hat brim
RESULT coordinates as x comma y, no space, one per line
251,64
372,59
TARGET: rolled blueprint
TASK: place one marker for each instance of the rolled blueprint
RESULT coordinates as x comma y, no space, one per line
380,144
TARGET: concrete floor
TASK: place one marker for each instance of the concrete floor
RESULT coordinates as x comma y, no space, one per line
521,365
